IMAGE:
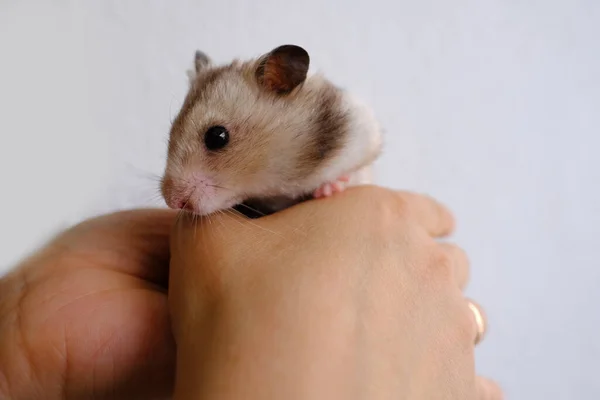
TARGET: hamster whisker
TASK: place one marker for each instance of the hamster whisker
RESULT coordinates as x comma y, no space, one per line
178,220
157,196
220,213
196,222
219,187
252,209
230,213
146,174
182,211
235,212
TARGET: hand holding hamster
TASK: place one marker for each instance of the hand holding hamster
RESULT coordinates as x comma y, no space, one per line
265,134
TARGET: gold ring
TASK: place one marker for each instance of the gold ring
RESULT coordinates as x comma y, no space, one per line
479,320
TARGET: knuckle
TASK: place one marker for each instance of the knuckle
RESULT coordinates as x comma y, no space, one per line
465,326
401,207
441,266
391,203
460,329
432,268
388,206
457,327
458,253
385,209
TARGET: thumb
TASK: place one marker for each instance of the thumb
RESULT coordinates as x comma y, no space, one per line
204,252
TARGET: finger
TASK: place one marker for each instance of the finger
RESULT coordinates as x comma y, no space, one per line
460,263
488,389
135,242
434,217
480,323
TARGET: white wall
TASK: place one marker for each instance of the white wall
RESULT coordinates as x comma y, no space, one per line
491,106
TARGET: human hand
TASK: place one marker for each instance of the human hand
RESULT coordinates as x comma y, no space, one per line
87,317
103,283
343,298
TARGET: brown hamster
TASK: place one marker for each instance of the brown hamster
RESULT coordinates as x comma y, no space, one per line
267,134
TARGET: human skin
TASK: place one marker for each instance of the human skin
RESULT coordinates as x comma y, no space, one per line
87,316
326,301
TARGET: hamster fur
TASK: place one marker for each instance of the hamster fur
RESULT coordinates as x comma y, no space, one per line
286,136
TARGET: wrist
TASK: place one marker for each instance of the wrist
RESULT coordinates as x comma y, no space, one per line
262,343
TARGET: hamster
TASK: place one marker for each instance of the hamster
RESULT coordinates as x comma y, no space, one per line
262,135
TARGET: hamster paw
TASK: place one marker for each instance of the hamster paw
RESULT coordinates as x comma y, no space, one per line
329,188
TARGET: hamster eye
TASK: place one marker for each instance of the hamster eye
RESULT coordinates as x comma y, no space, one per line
216,137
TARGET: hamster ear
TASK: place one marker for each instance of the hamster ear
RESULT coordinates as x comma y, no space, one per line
283,69
201,61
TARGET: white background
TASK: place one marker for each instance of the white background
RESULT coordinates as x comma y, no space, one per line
491,106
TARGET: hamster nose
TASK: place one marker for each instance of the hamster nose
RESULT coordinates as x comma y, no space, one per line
179,202
185,205
176,195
